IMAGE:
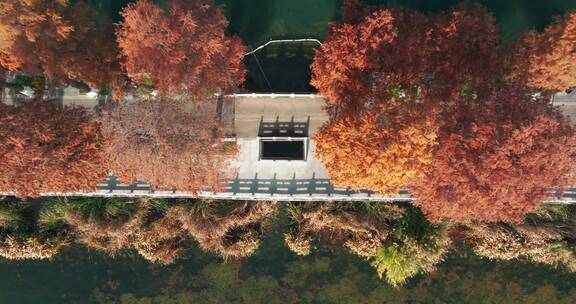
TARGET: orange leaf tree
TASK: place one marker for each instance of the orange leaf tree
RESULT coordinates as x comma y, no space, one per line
377,150
496,158
385,79
181,49
61,40
169,144
403,50
47,149
547,60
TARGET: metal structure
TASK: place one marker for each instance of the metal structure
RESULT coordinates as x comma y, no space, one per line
282,41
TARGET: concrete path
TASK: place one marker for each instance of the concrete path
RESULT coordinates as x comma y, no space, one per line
567,103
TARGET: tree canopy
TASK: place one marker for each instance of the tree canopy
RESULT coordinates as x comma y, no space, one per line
48,149
63,40
547,60
386,78
180,49
380,150
169,143
392,51
496,159
423,101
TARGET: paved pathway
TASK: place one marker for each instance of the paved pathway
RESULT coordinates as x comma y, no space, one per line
243,116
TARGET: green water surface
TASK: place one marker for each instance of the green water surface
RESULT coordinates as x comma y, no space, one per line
285,69
281,70
273,275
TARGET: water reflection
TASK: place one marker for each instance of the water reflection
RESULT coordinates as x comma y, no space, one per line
395,239
338,252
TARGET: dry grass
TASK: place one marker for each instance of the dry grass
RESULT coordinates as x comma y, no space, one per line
108,236
159,239
140,223
300,244
363,233
23,237
364,245
105,224
231,229
16,248
545,237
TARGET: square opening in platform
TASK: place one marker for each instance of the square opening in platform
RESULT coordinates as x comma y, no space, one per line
282,150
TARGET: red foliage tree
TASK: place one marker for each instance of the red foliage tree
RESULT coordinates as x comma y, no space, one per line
463,57
183,48
400,49
380,150
385,79
353,11
47,149
61,40
546,60
496,158
169,144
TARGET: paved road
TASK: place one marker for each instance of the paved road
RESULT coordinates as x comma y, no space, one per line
567,102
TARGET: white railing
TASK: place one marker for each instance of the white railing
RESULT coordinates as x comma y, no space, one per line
282,41
229,196
252,197
275,95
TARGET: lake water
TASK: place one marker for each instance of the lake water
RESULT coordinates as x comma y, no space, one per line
273,275
284,69
279,69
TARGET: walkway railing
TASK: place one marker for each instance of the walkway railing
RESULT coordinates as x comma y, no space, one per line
256,189
282,41
312,189
274,95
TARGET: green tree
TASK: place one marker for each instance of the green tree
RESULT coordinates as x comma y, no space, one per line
415,246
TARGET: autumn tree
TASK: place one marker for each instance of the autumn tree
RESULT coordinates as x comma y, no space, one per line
48,149
497,157
385,79
60,39
418,101
400,50
381,150
546,60
182,48
172,144
346,71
